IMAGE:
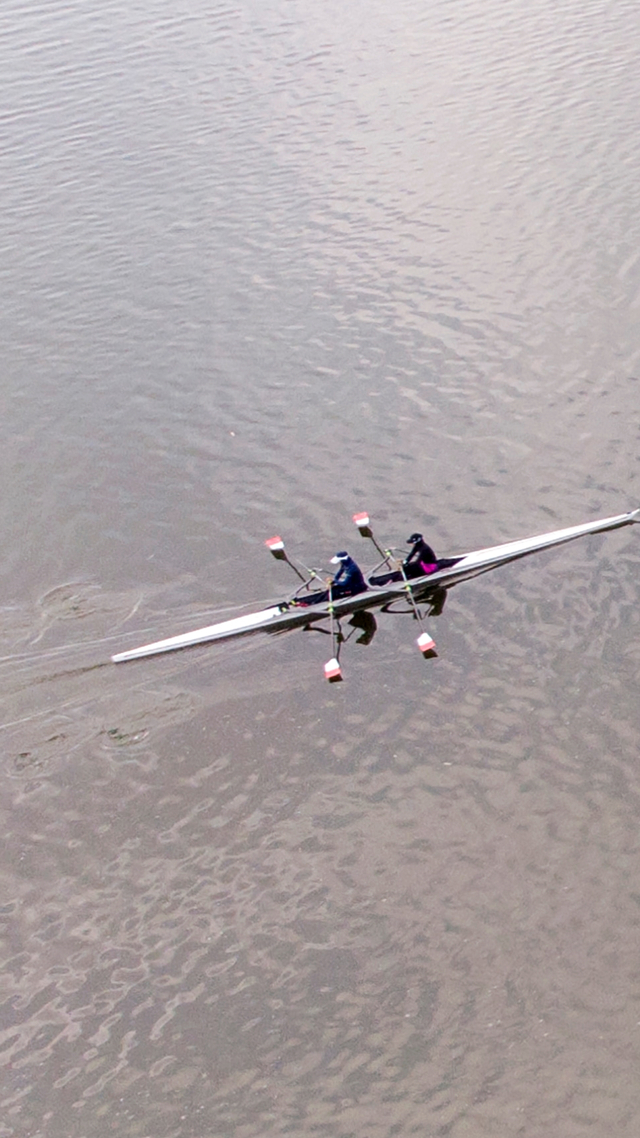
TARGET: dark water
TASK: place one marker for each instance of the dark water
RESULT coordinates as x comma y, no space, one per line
263,265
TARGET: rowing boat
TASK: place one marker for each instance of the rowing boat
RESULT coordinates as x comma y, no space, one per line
392,586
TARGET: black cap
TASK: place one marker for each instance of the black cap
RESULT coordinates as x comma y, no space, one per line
414,539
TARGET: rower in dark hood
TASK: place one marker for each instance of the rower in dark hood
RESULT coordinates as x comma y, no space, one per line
421,560
348,581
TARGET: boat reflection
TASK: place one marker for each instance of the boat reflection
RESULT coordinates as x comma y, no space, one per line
431,603
365,622
362,621
434,599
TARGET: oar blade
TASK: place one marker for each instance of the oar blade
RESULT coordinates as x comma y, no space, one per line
332,670
427,645
275,545
363,523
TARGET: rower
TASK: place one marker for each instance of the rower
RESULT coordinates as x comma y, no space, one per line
348,581
421,560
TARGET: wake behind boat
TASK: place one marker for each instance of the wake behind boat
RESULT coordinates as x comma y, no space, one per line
383,588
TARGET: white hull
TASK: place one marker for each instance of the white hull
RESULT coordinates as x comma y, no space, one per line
498,554
468,565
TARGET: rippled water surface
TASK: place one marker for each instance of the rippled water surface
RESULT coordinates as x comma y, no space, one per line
264,265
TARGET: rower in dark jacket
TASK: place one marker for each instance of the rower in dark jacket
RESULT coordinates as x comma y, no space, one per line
348,581
422,560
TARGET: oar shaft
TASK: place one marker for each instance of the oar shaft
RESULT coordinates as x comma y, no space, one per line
295,569
412,599
332,669
425,643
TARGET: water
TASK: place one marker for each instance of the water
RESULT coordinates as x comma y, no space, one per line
265,265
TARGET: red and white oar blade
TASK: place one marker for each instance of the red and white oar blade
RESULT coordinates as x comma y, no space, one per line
362,521
276,546
426,644
333,671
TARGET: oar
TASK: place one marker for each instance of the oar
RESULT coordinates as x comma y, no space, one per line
276,545
425,642
332,669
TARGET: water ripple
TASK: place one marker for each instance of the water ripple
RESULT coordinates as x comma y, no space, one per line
265,266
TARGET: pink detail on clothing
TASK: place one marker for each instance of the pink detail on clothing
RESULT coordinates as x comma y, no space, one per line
428,568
